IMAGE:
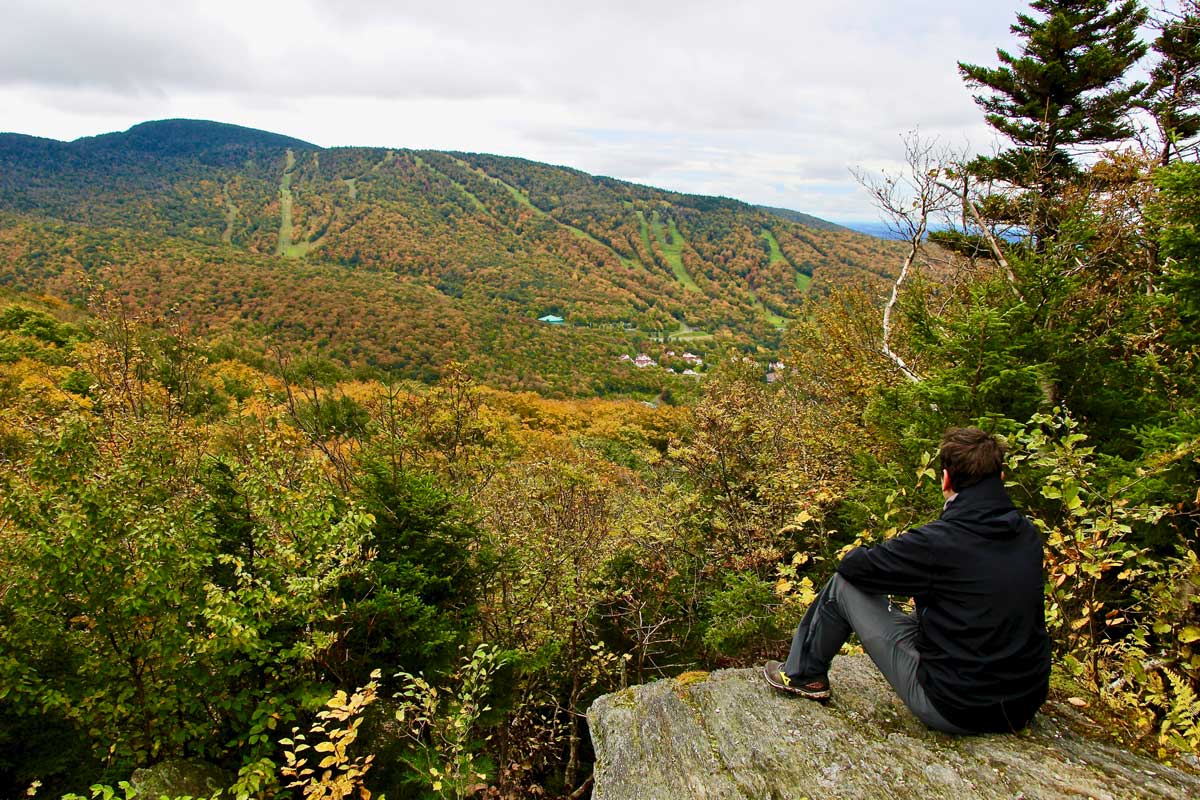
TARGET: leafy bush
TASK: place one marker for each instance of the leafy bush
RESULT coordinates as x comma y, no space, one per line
744,618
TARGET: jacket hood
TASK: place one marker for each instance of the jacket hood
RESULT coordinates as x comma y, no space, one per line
985,509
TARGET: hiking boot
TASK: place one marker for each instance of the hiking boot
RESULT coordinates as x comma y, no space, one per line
814,688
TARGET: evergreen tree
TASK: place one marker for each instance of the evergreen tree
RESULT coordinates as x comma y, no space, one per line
1175,211
1063,90
1174,90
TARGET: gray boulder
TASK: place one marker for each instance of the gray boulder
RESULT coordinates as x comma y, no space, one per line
728,736
180,777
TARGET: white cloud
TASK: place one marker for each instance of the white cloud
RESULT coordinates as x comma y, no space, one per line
766,100
141,48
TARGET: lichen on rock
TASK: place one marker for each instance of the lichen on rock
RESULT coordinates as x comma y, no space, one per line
732,737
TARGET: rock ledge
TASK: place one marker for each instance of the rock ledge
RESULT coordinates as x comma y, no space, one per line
728,736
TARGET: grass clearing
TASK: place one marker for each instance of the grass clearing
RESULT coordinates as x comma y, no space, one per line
770,316
673,251
231,212
776,253
286,247
686,333
285,207
645,228
802,280
690,336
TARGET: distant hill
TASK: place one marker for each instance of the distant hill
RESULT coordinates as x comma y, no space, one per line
804,219
876,228
235,227
189,137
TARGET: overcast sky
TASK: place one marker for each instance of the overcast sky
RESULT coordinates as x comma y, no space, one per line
767,101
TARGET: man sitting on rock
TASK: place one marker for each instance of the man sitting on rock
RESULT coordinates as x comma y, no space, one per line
975,656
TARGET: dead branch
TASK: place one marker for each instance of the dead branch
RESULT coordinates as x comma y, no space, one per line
908,200
891,304
993,243
582,789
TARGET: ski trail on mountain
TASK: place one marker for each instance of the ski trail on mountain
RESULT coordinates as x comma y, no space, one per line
775,256
231,212
352,183
285,206
523,200
475,201
673,251
802,280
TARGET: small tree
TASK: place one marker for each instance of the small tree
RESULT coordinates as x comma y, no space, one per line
443,724
326,771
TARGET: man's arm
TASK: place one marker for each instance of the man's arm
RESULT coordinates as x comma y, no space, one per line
902,565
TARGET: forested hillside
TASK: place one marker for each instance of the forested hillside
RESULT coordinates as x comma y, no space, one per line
468,250
274,497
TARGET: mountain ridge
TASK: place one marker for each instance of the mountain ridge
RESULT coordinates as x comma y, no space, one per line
804,219
175,129
169,136
503,239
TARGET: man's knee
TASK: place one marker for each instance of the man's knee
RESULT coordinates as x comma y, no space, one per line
844,592
870,615
839,585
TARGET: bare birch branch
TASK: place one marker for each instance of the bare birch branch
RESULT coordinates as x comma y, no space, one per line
887,311
908,200
985,229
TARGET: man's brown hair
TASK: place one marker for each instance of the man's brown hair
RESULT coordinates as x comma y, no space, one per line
969,455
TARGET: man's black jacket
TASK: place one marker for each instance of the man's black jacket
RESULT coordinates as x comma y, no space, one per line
976,576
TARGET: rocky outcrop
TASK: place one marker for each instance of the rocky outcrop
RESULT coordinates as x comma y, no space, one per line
728,736
182,777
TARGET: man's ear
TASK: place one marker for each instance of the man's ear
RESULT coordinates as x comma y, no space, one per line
947,486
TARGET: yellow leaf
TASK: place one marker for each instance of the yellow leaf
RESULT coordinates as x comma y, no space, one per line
324,747
1189,634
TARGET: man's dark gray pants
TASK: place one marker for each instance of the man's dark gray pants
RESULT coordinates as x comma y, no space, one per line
889,637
